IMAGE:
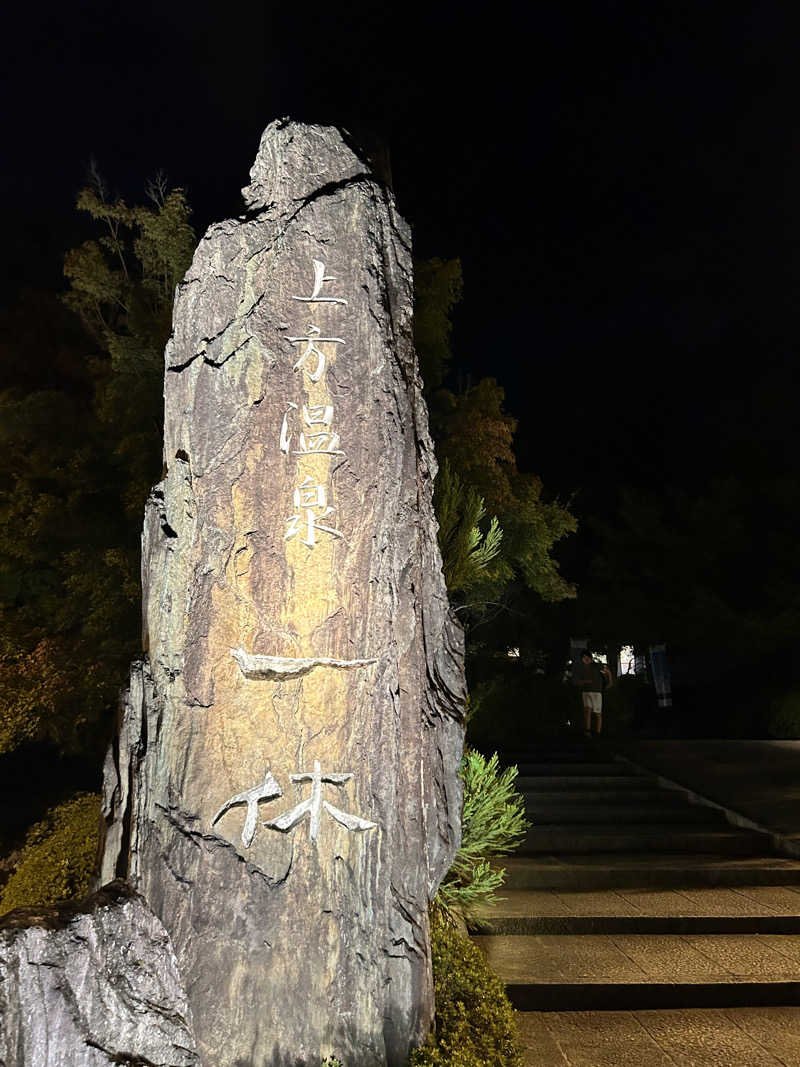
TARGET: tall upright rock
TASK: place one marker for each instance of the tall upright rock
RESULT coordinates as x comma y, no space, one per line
284,791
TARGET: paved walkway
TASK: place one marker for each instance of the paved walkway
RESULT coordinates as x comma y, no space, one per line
758,779
733,1037
641,927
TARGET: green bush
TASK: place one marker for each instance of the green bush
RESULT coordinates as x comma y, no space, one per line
58,857
474,1024
518,705
620,703
492,824
783,717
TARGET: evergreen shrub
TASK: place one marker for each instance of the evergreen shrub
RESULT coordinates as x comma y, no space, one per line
783,717
58,857
621,703
492,824
474,1024
517,705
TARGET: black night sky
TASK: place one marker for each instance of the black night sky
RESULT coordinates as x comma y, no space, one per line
619,180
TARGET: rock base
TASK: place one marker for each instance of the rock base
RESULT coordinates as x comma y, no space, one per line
90,985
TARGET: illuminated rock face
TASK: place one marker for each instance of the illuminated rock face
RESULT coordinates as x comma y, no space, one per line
94,984
284,792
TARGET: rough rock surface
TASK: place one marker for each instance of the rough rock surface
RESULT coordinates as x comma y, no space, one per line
294,523
90,986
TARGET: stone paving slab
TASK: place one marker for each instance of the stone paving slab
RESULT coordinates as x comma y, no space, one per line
537,959
717,900
757,779
607,795
619,815
772,896
635,870
572,768
700,901
565,860
679,838
573,782
538,1044
731,1037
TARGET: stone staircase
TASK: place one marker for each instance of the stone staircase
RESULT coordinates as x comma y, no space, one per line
627,900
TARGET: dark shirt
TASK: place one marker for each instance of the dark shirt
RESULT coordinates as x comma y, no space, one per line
588,676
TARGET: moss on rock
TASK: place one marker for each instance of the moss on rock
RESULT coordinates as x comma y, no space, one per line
58,858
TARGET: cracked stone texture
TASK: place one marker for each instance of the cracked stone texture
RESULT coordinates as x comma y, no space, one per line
91,985
291,951
692,1037
641,958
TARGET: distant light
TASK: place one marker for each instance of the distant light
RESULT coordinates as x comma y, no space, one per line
627,660
513,653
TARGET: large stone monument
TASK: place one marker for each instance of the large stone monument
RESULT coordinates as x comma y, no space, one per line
284,791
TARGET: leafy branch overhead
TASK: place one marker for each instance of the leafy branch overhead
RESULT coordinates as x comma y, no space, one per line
467,552
496,528
123,281
80,402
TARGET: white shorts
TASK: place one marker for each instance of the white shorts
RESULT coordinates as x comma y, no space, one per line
593,702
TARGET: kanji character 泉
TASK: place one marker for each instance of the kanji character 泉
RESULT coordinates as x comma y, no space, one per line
310,495
311,523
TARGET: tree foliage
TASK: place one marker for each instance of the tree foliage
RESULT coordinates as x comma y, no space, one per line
476,435
475,438
122,285
495,526
711,569
467,551
438,285
80,428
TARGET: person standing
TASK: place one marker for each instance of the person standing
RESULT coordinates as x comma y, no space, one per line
591,678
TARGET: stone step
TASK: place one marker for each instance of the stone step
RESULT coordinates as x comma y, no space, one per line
691,1037
747,909
565,754
638,996
576,769
542,783
634,971
656,870
666,838
553,813
642,924
608,795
